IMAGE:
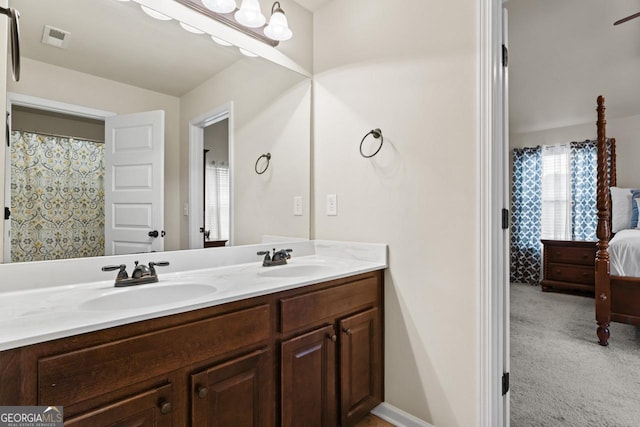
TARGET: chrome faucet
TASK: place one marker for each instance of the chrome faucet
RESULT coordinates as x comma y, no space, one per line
279,257
141,273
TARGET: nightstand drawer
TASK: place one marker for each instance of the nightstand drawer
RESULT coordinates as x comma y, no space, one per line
568,255
571,273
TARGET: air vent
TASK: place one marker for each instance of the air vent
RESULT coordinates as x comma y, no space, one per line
55,37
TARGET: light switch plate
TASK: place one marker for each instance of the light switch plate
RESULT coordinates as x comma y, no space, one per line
332,204
297,205
185,209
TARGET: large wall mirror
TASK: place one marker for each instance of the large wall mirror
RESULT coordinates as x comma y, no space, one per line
95,68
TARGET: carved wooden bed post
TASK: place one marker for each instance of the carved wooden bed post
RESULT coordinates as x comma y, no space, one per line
603,233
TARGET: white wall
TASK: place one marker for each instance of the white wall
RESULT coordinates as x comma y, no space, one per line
64,85
271,113
409,68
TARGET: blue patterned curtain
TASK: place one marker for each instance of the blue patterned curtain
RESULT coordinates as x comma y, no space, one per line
57,197
584,178
526,218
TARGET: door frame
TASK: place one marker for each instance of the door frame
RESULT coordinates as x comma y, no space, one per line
196,171
45,105
492,295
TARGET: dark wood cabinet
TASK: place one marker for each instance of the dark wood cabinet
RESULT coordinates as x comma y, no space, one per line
234,393
568,264
309,356
314,387
309,379
360,358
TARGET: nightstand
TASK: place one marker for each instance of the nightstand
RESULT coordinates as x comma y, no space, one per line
569,264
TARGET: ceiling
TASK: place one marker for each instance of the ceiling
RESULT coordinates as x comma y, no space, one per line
563,54
312,5
117,41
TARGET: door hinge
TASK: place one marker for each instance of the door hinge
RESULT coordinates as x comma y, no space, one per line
505,383
8,133
505,56
505,219
7,213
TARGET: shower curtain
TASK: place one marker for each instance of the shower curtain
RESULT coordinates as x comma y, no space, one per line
57,197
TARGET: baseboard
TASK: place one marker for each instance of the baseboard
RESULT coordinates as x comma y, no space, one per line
398,417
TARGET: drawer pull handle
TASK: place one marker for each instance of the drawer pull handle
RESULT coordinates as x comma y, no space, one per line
165,407
332,337
202,392
347,331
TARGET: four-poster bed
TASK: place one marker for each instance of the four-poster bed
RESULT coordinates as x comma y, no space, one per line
617,297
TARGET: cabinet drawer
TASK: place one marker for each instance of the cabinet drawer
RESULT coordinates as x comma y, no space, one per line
571,255
571,273
83,374
311,308
150,408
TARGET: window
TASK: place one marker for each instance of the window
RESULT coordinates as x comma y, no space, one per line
556,193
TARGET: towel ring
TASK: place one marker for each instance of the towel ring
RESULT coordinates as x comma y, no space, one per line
266,156
377,134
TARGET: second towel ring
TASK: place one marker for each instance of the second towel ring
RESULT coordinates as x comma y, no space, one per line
377,134
266,156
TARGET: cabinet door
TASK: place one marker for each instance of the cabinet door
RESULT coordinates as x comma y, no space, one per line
152,408
234,393
308,379
360,365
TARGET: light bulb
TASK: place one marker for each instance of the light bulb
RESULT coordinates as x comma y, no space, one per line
250,14
220,6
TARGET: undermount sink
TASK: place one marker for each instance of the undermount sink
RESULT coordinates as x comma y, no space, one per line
146,296
294,270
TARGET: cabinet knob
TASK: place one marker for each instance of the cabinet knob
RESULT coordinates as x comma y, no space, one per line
202,392
165,407
332,337
347,331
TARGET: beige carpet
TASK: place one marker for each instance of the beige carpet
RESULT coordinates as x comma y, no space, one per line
560,376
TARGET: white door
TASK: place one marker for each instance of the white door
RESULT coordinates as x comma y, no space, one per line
134,183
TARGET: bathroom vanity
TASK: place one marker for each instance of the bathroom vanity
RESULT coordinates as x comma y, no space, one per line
305,348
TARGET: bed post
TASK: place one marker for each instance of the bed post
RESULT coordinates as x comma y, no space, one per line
603,233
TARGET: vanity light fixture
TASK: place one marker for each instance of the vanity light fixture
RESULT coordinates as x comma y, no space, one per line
248,19
220,6
157,15
278,28
250,14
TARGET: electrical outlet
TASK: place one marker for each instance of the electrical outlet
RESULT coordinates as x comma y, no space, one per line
185,209
297,205
332,205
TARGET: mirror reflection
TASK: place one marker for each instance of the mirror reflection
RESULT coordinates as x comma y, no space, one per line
116,61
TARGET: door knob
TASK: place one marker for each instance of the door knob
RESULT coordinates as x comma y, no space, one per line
154,233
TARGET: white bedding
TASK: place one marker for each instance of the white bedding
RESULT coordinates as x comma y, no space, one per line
624,253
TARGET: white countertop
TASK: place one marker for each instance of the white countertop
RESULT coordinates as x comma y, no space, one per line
38,313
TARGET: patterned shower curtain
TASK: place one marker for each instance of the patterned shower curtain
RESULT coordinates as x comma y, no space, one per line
57,197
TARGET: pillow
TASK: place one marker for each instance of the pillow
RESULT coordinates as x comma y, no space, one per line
635,194
621,208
